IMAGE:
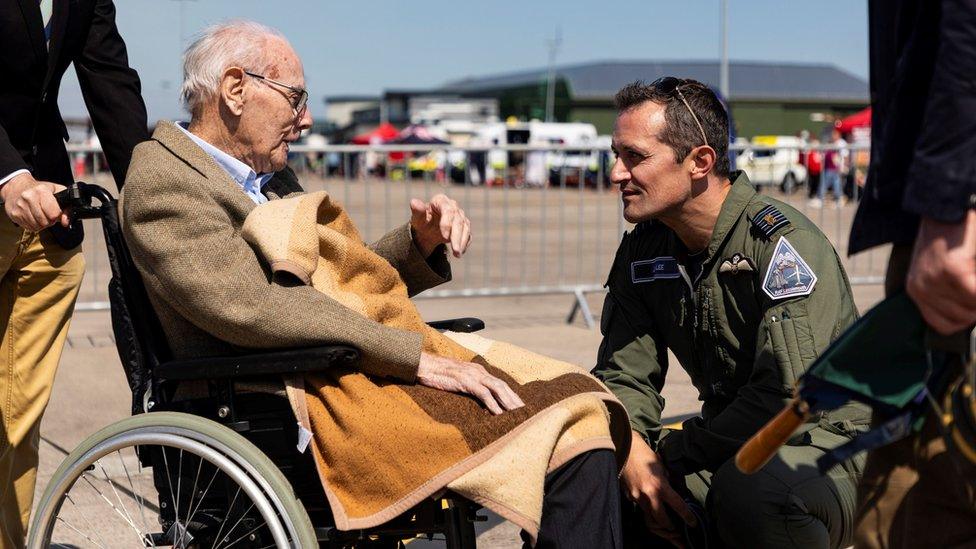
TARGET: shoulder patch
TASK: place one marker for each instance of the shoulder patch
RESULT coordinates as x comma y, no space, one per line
769,220
788,275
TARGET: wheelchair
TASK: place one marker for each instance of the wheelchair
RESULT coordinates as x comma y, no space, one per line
216,467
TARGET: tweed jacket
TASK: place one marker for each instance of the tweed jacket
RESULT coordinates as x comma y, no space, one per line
182,216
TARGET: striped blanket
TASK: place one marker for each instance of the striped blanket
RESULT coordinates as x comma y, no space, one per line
381,447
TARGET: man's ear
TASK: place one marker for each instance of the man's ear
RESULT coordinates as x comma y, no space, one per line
232,90
703,159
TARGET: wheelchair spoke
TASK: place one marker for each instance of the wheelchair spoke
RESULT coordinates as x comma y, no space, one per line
255,529
169,480
85,476
224,522
202,495
119,499
176,496
82,534
88,522
132,488
236,524
190,511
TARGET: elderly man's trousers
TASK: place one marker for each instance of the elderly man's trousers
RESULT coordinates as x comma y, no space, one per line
787,503
581,506
915,492
38,288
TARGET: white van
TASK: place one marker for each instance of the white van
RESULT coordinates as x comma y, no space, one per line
774,160
537,168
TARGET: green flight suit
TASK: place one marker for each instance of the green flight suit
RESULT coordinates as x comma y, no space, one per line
745,318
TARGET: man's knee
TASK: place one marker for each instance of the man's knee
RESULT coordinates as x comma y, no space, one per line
764,510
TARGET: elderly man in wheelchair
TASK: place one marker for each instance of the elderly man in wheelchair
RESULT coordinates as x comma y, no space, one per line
294,397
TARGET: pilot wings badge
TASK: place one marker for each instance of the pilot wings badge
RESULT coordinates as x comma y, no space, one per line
736,264
788,274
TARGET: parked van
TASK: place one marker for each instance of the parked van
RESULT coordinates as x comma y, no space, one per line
774,160
537,168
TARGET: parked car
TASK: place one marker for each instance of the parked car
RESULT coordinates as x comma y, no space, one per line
774,160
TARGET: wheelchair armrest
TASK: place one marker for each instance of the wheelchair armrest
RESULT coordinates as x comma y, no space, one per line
464,325
287,361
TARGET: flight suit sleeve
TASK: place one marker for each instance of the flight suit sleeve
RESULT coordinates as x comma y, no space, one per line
792,333
633,359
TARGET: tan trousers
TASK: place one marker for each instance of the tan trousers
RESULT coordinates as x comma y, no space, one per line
913,493
39,284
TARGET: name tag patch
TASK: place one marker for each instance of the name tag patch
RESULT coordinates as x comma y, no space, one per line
788,275
649,270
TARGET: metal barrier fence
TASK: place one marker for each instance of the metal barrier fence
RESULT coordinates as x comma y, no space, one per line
545,219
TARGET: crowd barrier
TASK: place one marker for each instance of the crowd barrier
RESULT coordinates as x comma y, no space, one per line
545,219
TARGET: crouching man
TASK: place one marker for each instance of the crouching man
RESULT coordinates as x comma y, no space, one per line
745,292
236,256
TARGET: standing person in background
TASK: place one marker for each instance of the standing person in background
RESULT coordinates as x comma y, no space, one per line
834,164
41,268
813,160
920,197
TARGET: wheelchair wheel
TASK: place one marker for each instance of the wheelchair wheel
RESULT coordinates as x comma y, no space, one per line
172,480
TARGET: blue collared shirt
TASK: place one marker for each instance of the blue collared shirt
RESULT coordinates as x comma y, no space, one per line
241,173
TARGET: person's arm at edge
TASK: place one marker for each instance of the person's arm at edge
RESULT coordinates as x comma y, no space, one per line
112,90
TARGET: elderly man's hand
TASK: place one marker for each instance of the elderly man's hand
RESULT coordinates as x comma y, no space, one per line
31,204
645,481
469,378
440,221
942,276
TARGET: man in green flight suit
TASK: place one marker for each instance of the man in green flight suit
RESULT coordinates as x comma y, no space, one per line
746,292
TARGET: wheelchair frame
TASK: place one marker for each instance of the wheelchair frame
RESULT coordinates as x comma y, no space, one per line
226,428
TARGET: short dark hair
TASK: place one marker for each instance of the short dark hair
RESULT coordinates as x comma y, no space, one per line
681,133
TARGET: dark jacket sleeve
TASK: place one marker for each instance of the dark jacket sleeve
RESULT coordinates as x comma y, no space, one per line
941,181
791,335
111,90
10,159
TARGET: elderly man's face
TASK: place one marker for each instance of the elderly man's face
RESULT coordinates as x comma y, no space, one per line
268,122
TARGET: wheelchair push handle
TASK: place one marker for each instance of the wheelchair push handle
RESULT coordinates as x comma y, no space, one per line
77,199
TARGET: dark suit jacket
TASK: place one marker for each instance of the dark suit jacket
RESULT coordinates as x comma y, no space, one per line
32,133
923,96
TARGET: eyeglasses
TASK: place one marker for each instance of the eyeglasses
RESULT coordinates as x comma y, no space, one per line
669,85
298,104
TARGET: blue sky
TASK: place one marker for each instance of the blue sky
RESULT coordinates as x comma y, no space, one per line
365,46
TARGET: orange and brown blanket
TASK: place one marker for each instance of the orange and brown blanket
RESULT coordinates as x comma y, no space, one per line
380,446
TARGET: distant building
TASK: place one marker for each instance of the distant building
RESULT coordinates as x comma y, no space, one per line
765,98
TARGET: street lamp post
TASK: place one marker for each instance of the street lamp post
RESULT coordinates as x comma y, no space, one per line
551,79
723,77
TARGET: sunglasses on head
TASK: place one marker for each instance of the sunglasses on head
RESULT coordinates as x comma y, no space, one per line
671,85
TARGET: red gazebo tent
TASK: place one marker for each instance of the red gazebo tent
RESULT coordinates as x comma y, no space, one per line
860,119
383,133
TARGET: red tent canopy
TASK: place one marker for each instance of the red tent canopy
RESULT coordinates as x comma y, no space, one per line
383,133
860,119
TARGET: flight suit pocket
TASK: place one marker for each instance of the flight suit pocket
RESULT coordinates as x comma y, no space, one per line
792,340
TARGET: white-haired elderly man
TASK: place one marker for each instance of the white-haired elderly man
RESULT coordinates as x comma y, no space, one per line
187,196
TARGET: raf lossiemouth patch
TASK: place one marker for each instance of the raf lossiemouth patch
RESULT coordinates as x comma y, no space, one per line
788,274
650,270
769,220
